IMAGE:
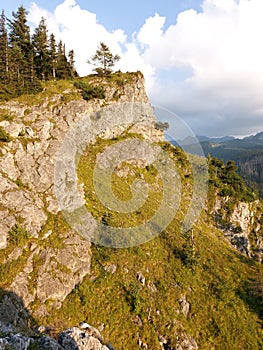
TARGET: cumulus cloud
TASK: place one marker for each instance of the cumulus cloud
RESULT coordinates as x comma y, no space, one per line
221,47
207,66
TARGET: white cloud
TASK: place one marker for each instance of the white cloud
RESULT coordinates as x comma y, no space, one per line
151,32
220,48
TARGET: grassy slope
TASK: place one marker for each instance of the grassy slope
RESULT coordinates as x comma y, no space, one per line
217,281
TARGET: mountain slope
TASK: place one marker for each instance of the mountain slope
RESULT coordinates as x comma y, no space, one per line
180,290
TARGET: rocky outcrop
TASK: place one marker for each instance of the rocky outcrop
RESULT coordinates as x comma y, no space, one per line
52,273
18,332
53,260
84,339
72,339
242,227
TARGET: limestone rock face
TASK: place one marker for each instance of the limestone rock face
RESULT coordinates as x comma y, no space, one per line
75,338
60,269
244,223
55,260
72,339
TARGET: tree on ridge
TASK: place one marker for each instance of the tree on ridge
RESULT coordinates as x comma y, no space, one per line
103,60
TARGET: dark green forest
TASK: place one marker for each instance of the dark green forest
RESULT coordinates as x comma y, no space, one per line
27,58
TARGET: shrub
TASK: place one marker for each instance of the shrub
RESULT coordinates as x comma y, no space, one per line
4,115
17,235
89,92
4,136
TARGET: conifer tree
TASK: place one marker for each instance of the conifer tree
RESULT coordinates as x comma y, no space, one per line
71,59
63,67
53,54
41,51
103,60
21,51
4,49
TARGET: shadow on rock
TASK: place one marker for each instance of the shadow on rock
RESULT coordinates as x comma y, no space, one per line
19,331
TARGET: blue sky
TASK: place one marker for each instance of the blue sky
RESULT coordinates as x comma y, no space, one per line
114,14
202,59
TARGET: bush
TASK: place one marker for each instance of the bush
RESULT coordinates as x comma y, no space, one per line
4,115
89,92
18,235
4,136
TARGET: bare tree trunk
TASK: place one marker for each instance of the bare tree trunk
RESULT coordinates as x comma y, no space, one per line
53,70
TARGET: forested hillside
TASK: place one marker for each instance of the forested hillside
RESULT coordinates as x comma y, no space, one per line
26,59
247,154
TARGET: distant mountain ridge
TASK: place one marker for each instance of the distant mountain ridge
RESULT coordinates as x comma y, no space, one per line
215,139
248,141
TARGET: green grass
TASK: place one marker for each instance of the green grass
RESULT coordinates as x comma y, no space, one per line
223,315
64,88
17,237
89,91
121,188
5,115
94,85
116,78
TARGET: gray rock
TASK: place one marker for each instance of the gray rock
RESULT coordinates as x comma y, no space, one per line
141,278
7,166
53,282
80,339
16,342
137,320
111,268
189,343
185,306
47,343
152,287
13,315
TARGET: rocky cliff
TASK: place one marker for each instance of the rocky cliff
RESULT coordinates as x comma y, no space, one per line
36,131
242,226
46,264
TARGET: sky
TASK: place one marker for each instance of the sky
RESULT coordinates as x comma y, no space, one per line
202,59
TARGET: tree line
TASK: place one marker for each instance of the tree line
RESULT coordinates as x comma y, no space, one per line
26,60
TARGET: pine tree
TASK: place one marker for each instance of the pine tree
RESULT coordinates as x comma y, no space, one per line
42,59
4,49
53,55
21,50
4,59
63,67
71,61
104,60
